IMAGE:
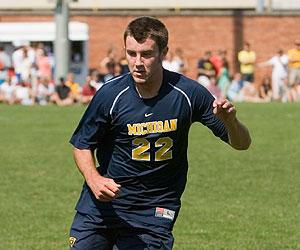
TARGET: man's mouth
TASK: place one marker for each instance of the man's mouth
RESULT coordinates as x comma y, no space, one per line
139,72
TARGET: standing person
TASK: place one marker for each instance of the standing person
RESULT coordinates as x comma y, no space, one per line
206,69
223,76
205,66
217,62
26,67
247,58
138,125
44,65
279,63
294,64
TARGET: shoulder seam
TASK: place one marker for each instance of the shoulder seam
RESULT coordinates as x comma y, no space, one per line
116,99
186,96
118,77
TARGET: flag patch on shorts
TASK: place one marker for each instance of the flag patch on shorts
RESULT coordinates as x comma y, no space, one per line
72,241
164,213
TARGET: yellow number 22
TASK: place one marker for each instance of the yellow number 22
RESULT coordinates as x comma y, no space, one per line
140,153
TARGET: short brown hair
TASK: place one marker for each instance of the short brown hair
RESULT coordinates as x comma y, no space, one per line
145,27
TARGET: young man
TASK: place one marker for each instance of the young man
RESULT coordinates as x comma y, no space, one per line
138,124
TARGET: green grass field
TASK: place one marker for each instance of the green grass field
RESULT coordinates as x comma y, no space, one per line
233,200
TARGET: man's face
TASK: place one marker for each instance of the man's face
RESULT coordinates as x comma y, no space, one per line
144,59
247,47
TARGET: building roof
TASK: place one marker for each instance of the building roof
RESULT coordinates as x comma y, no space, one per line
21,32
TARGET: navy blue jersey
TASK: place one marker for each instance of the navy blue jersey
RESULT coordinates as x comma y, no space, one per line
142,145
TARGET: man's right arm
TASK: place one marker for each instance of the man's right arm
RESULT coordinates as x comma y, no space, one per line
104,189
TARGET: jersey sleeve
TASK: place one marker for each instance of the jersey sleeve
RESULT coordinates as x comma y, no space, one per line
93,125
202,106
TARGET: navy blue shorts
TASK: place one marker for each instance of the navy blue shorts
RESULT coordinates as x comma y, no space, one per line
85,234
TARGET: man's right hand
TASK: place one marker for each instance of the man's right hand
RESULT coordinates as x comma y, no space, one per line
104,189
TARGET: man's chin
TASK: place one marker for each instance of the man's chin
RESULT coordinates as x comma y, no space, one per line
139,80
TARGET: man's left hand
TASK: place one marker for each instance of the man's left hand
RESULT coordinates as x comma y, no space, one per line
224,110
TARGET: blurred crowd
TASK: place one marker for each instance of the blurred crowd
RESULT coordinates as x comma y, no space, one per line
282,85
26,76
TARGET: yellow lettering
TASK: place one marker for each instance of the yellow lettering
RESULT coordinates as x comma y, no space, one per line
152,127
131,129
144,128
173,124
167,126
159,126
138,129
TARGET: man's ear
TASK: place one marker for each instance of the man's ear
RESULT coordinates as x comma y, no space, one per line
164,52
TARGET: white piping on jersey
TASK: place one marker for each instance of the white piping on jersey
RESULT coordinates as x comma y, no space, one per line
116,78
186,96
116,99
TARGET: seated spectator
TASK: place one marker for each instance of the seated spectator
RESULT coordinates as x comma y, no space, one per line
179,61
44,91
204,81
62,95
167,62
111,71
97,80
123,65
294,93
243,91
88,91
5,64
23,94
250,93
213,88
110,59
265,89
75,87
235,87
6,91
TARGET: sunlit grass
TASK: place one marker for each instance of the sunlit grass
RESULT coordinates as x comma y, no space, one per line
233,200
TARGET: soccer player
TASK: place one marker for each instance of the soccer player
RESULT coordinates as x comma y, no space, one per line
137,125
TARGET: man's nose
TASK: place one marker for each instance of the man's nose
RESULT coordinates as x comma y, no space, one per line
138,60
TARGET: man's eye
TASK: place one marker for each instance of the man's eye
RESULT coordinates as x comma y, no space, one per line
147,54
131,53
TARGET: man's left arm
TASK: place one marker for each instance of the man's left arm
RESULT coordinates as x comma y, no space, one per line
239,136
